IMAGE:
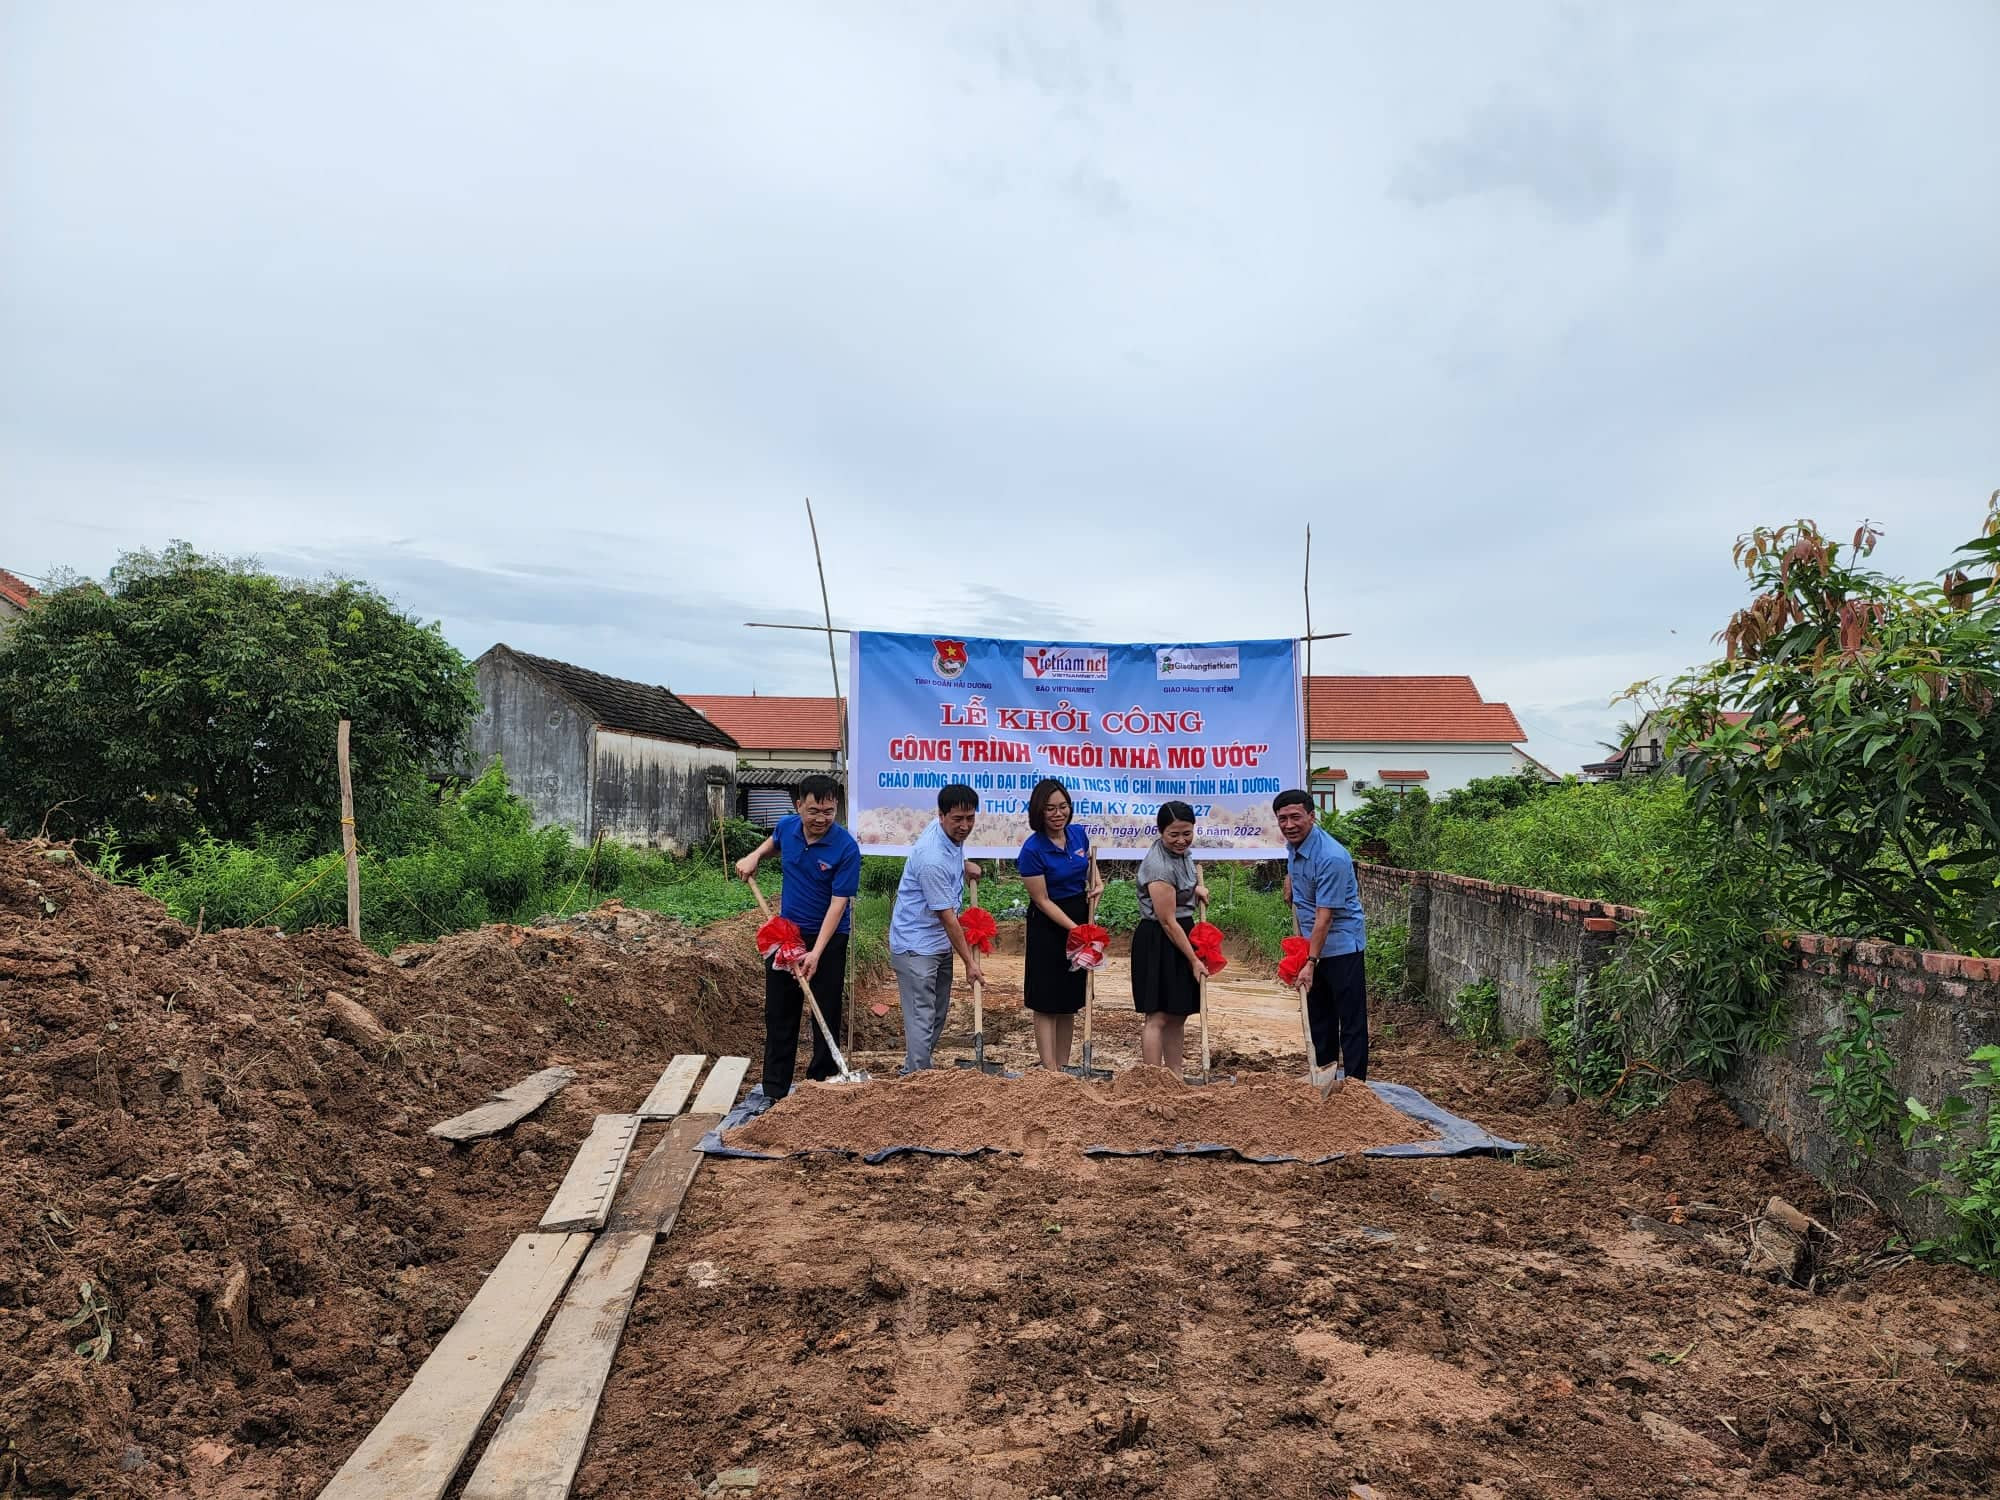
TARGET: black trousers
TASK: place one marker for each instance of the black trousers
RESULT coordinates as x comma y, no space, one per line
785,1012
1337,1005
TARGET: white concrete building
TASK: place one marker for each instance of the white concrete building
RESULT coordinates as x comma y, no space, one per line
1432,732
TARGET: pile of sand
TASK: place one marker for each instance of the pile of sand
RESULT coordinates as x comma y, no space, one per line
1145,1109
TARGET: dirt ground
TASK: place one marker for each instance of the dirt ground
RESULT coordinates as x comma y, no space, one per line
277,1245
1054,1325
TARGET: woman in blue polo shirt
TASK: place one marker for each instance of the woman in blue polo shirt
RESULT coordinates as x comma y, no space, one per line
1060,871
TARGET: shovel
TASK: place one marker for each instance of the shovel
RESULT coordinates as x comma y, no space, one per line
846,1074
1322,1078
978,1058
1089,1005
1201,915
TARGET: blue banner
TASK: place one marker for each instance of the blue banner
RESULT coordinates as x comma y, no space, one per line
1124,728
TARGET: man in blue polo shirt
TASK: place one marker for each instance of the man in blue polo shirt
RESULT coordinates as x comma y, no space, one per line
822,869
1326,902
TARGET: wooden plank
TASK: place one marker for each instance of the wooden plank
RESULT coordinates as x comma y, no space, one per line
539,1087
584,1199
653,1200
510,1105
539,1444
418,1445
671,1092
718,1095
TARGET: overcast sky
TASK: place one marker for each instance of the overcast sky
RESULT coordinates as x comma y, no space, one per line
546,317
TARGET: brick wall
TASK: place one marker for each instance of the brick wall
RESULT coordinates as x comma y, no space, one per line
1462,931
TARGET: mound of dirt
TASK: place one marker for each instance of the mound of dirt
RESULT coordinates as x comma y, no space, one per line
1143,1109
219,1187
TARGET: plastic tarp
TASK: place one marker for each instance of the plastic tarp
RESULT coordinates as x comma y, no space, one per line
1457,1136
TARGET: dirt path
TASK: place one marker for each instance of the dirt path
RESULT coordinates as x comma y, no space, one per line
1252,1018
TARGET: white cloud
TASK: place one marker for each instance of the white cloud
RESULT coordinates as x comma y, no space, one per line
1065,316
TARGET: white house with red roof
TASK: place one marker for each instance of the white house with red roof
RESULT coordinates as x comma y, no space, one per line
784,741
1432,732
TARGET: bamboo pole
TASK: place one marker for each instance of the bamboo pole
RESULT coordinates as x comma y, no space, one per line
347,837
1324,635
1306,748
833,666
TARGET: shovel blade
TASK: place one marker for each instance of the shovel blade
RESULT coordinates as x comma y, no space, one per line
1085,1070
978,1058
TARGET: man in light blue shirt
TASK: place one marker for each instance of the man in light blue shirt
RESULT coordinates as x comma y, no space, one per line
923,927
1326,904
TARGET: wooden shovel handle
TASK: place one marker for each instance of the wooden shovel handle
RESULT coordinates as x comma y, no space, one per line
1201,915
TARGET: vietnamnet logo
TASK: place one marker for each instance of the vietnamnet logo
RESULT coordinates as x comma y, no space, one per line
1070,663
1212,662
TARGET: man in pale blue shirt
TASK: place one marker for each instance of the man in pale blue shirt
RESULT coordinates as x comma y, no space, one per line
1326,904
923,927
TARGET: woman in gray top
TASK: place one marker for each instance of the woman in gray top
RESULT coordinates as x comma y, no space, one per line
1166,974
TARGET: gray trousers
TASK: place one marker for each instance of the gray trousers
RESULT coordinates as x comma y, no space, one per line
923,984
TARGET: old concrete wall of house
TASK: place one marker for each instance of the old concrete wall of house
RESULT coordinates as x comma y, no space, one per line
540,737
653,792
1462,931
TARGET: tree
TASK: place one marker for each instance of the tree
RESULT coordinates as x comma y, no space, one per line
1489,796
1850,729
191,694
1628,731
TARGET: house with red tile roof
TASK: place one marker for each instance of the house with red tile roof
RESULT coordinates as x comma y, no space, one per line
1400,731
16,595
784,740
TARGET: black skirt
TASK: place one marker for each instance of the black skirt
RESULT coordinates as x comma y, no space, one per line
1162,981
1048,984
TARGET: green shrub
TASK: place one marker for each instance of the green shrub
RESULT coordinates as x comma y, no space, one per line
483,861
739,837
1261,919
1118,907
1853,1084
1387,959
1475,1013
881,874
1590,1061
869,944
1968,1138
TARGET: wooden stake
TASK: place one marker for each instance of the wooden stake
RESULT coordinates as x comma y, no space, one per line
347,839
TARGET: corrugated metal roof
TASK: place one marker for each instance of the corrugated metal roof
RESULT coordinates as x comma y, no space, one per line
787,776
